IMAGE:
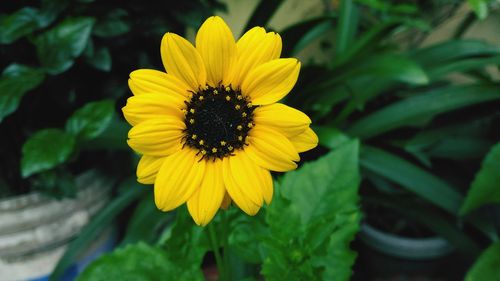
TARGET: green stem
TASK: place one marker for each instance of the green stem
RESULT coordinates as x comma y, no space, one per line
215,247
225,245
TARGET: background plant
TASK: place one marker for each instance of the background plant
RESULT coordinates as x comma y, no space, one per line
392,123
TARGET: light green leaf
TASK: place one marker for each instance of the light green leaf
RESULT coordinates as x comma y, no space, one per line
412,178
18,24
484,189
313,218
480,7
92,119
421,108
15,81
487,266
44,150
139,262
58,47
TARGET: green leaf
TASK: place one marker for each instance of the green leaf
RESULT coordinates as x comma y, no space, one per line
294,35
146,222
313,218
487,266
92,119
330,137
50,10
453,50
419,109
263,13
393,67
484,189
312,34
18,24
139,262
99,222
15,81
113,24
480,7
58,47
347,27
44,150
462,66
100,59
412,178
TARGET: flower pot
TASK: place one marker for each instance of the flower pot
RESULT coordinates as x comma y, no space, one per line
387,255
35,230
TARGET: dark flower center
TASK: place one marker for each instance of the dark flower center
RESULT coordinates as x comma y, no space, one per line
217,121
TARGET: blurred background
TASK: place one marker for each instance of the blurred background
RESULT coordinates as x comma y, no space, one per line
416,82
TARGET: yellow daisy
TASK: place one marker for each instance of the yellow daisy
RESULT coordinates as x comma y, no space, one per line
209,129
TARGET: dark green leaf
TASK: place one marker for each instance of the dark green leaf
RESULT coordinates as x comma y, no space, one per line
18,24
346,27
487,266
313,218
15,81
114,24
484,189
100,59
462,66
146,222
421,108
311,35
453,50
58,47
46,149
263,13
139,262
92,119
50,10
293,35
132,191
412,178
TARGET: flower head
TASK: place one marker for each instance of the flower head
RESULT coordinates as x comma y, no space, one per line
209,129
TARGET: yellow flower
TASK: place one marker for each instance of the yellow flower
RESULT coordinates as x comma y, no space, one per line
210,129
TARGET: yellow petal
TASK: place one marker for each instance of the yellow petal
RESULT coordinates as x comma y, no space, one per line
148,106
148,168
267,185
271,150
153,81
271,81
305,141
242,193
215,43
255,47
178,179
205,202
287,120
183,61
157,137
